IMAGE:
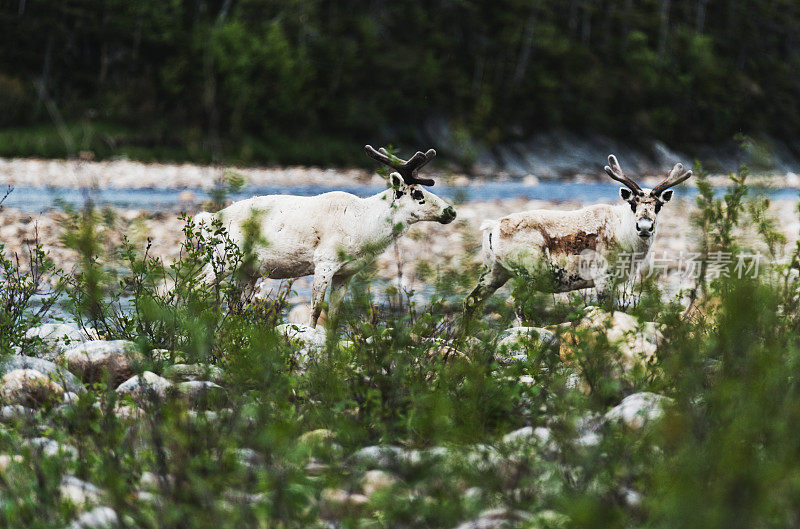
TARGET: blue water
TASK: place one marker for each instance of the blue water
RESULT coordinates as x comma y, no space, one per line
36,199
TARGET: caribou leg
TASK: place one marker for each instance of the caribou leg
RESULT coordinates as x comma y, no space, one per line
491,279
338,291
323,273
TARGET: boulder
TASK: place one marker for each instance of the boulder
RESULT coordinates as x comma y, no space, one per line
338,503
637,410
78,492
528,435
50,447
145,386
90,361
189,372
311,338
13,412
375,481
497,519
97,518
525,338
29,388
6,460
56,373
515,343
636,342
55,338
200,391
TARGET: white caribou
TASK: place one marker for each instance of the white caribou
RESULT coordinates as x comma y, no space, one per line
562,249
333,235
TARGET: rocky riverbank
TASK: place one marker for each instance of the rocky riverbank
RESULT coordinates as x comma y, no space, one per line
412,263
128,174
41,390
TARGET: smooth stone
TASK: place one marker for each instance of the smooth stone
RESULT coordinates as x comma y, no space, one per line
527,336
394,457
56,337
638,409
55,372
312,338
49,447
499,518
375,481
91,360
6,460
12,412
337,503
198,391
79,492
143,386
97,518
189,372
636,342
515,343
29,388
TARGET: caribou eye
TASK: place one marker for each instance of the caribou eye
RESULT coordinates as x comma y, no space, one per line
417,194
633,206
658,207
398,193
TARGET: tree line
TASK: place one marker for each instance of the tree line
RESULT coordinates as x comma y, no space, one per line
301,80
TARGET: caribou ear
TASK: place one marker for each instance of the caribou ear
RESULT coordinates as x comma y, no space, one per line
666,195
625,193
396,180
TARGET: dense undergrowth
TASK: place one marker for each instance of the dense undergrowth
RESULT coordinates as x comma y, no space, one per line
292,423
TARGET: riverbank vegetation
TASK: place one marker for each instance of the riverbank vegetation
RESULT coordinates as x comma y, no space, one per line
162,402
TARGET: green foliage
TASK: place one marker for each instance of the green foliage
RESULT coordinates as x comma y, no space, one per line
411,375
21,282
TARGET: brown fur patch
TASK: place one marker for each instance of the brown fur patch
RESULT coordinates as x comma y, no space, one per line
572,244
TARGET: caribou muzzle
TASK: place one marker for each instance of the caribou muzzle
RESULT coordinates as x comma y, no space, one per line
645,227
448,215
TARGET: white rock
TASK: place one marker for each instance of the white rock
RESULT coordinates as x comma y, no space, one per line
337,503
497,519
6,460
188,372
90,360
638,409
12,412
376,481
196,391
49,447
56,337
514,343
29,388
78,492
636,342
97,518
54,372
145,385
312,338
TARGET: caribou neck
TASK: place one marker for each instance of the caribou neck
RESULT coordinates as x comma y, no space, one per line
383,215
627,235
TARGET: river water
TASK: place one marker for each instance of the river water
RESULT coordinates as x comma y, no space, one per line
37,199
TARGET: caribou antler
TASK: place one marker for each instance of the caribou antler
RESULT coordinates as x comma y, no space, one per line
615,172
407,168
675,177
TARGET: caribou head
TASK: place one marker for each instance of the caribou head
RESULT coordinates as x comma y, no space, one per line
408,193
645,203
